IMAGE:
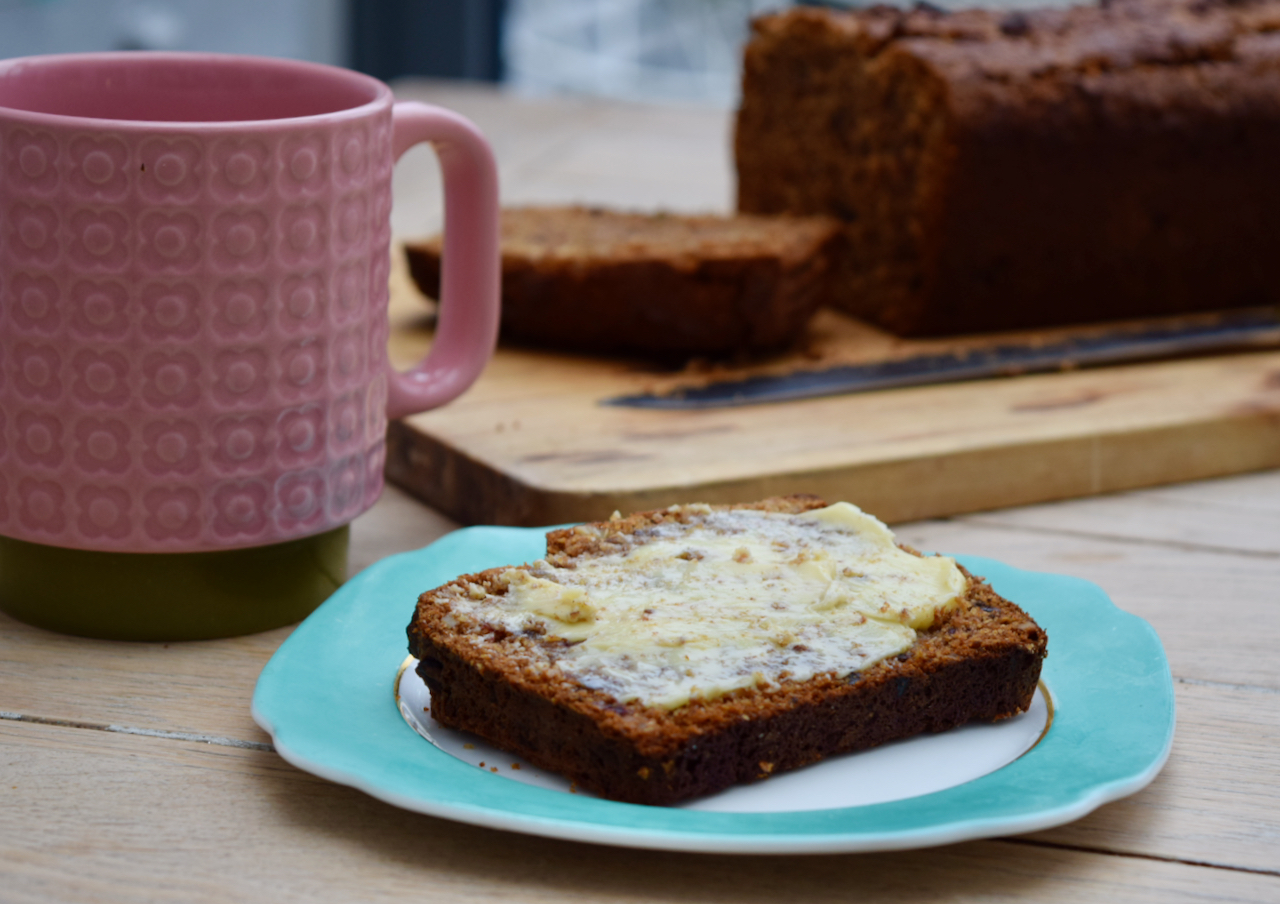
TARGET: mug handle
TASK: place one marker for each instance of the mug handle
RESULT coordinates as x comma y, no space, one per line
470,276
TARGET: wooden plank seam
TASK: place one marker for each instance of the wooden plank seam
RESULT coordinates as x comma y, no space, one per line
141,732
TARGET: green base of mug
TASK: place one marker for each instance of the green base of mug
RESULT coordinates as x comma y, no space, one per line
170,596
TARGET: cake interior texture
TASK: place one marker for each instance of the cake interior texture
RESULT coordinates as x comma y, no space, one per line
597,280
674,653
1004,170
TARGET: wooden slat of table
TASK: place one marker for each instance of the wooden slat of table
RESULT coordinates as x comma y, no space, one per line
1212,804
1237,516
1217,613
1217,798
93,816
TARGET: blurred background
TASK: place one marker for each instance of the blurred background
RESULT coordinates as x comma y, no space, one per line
680,51
664,50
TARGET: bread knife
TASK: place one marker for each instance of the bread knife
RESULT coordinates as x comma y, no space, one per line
1235,330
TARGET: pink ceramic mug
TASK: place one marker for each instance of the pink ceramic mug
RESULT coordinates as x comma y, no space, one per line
194,252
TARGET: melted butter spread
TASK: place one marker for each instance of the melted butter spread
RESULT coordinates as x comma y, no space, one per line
728,600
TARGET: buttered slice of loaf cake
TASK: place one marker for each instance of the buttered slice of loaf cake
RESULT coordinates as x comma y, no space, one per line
677,652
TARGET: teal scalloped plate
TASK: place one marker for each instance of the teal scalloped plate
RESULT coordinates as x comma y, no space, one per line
327,698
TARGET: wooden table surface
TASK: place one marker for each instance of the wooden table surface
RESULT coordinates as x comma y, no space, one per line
133,772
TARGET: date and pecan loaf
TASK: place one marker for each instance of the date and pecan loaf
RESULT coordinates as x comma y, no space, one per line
1000,170
598,280
674,653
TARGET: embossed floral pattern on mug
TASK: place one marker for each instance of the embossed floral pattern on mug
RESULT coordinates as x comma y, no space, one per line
170,311
104,512
100,241
31,234
240,309
304,365
242,169
171,447
304,300
173,514
101,379
240,509
306,235
169,170
302,433
244,445
170,242
300,499
99,168
31,161
39,440
37,373
171,380
32,302
102,446
241,240
99,310
240,378
306,165
42,506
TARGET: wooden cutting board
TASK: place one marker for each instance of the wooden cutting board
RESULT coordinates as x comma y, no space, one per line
530,443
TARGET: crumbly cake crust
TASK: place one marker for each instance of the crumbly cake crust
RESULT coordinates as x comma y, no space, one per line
606,281
979,661
1014,169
